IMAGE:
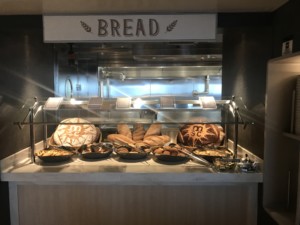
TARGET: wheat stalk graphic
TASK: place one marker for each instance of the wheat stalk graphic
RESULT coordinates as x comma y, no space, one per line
85,26
171,26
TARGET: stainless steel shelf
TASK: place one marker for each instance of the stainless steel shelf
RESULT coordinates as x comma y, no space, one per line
281,215
292,136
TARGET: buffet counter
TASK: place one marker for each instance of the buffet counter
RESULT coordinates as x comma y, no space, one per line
113,191
116,171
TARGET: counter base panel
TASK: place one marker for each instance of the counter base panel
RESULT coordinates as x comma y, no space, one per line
129,205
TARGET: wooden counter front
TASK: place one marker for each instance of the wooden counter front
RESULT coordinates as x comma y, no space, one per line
80,204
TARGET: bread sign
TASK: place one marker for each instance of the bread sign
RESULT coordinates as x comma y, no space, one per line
87,28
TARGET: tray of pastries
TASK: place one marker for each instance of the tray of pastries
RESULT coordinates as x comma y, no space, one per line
210,154
131,152
169,153
96,150
54,155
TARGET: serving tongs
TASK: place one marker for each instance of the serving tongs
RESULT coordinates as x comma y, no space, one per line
197,158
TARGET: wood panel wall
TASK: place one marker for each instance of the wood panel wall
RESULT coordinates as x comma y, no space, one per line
137,205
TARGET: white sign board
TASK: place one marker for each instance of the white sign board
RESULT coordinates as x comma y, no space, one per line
98,28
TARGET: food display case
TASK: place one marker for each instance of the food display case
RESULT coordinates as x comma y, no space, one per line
197,125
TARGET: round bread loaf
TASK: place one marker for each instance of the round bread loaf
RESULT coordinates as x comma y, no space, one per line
199,134
75,132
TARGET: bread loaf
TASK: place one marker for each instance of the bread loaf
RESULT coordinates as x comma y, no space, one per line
221,135
156,140
138,132
120,138
154,129
75,132
124,130
199,134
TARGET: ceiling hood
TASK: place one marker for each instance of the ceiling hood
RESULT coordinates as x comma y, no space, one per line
121,54
215,58
179,52
160,72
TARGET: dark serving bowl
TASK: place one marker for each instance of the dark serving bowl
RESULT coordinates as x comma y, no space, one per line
96,155
171,158
55,159
131,154
212,154
96,151
174,153
52,155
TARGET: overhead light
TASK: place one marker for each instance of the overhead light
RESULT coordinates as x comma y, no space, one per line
73,101
138,103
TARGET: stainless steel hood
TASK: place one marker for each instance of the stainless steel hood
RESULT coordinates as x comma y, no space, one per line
159,72
145,54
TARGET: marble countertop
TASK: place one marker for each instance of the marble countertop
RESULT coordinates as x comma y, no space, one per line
113,170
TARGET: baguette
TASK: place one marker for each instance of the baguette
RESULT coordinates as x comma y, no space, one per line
122,139
124,130
156,140
154,129
138,132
